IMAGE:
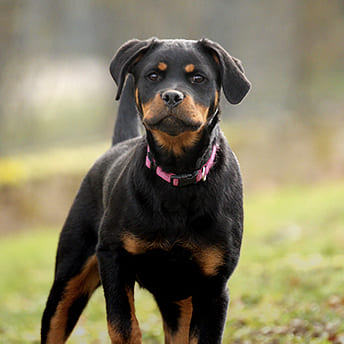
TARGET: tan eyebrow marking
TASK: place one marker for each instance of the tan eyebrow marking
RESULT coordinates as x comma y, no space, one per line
162,66
189,68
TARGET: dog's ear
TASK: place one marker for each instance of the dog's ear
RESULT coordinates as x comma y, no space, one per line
126,56
234,82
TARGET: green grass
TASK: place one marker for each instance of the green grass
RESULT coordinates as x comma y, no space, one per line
288,287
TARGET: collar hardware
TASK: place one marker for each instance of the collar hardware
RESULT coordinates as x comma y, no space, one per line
204,175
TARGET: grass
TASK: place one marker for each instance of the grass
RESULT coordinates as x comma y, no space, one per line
288,287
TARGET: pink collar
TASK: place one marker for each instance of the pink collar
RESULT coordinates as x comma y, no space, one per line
182,179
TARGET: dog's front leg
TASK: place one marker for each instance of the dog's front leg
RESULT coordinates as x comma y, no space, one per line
209,317
118,281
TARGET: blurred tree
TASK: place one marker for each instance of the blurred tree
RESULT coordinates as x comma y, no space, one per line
8,10
291,49
318,53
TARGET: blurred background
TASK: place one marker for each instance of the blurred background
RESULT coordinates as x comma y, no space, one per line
57,107
56,92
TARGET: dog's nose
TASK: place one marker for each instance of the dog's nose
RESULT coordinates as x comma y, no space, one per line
172,97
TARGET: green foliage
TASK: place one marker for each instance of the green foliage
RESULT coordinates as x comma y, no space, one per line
288,287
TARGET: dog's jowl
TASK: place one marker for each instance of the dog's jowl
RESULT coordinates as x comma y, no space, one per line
163,209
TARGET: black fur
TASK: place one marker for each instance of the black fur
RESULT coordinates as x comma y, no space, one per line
180,243
127,122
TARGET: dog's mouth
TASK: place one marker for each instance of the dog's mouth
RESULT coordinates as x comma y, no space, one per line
188,116
171,123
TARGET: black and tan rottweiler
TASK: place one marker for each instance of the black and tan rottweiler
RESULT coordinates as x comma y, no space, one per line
163,209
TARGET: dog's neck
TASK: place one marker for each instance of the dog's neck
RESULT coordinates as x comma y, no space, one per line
192,158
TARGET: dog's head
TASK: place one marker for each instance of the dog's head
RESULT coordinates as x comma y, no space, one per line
178,82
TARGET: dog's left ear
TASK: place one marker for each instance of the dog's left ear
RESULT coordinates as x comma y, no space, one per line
234,82
126,56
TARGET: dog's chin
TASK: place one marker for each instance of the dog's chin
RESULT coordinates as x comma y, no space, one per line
174,126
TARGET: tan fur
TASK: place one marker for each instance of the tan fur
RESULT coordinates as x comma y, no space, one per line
162,66
167,333
215,57
132,244
189,68
137,96
135,246
195,111
138,58
83,284
181,336
152,107
208,258
193,340
216,101
115,336
135,335
188,108
176,144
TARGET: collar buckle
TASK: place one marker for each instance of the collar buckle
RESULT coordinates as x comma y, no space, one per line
184,179
204,174
180,180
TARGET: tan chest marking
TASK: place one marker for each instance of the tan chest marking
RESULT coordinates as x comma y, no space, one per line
208,258
134,245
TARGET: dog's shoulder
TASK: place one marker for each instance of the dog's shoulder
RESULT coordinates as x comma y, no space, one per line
108,167
115,156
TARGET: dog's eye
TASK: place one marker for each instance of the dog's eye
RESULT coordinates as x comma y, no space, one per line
197,78
153,76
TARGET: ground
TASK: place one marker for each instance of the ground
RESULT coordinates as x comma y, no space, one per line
288,287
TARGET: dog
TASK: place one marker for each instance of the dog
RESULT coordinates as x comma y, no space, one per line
163,209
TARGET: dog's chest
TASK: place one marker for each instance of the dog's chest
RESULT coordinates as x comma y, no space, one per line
172,270
206,259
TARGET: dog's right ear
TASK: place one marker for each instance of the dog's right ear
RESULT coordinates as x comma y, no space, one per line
126,56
